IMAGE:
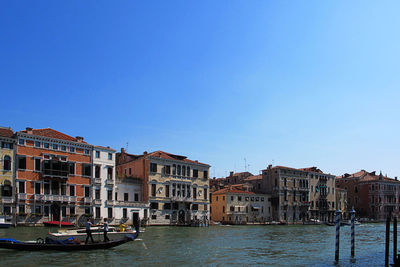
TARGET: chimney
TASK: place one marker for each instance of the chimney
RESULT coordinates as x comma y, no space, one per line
269,166
79,139
29,130
122,150
145,153
230,173
395,178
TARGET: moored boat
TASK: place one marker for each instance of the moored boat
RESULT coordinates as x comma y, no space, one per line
57,223
4,223
65,245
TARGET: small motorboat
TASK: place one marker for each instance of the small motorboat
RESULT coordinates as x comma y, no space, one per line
69,244
57,223
4,223
113,233
312,222
330,223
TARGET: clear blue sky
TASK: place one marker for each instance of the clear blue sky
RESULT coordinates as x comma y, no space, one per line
295,83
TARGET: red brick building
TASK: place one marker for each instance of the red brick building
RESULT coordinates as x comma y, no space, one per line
53,176
373,196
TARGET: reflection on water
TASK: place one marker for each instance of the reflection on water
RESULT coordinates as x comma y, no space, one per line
302,245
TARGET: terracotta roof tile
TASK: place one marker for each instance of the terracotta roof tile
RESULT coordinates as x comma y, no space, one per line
254,177
233,191
165,155
48,132
6,132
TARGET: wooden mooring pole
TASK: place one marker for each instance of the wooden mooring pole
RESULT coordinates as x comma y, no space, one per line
387,242
353,215
395,240
338,213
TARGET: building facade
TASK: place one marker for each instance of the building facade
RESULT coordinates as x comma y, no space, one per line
234,206
53,176
175,187
7,167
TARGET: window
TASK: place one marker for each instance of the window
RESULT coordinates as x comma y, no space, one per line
37,165
37,188
109,194
195,206
46,145
97,193
7,163
87,191
179,170
110,173
86,151
223,209
6,145
71,168
136,197
195,173
109,156
154,205
173,169
124,213
21,142
205,193
183,170
21,163
46,187
252,198
239,198
21,187
21,209
97,171
153,167
153,190
86,170
63,148
98,212
205,174
194,192
37,144
130,171
188,171
126,197
246,198
167,190
262,198
46,210
97,154
55,146
71,149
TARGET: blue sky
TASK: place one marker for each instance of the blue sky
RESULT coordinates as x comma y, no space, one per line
294,83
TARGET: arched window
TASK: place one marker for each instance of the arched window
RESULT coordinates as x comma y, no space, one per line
7,163
6,189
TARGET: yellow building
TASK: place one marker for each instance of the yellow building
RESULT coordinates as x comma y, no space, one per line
7,170
234,206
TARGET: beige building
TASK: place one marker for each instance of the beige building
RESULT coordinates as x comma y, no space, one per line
7,167
341,200
234,206
299,194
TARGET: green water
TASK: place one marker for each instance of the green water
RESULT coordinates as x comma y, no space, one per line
302,245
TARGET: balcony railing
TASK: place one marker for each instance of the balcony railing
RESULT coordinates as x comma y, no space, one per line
55,173
57,198
109,182
86,199
37,197
110,202
7,200
72,199
22,196
129,203
97,180
97,202
180,198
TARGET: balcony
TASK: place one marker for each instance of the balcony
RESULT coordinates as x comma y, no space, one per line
109,182
57,198
305,203
55,173
65,199
55,168
129,203
97,181
110,202
37,197
7,200
22,196
97,202
86,199
72,198
48,197
182,199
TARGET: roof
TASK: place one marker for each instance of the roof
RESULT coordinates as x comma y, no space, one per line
254,177
48,132
6,132
364,176
165,155
106,148
311,169
232,191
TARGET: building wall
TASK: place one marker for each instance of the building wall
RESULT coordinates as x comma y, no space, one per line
218,208
7,176
29,201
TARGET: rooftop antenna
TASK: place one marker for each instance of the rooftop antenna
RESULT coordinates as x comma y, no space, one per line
127,145
245,165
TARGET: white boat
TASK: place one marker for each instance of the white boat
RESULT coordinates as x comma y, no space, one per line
113,233
4,223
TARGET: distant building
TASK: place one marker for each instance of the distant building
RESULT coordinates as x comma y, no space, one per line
234,206
341,201
373,196
233,178
299,194
7,167
176,188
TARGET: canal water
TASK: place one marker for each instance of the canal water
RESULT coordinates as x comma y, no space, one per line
288,245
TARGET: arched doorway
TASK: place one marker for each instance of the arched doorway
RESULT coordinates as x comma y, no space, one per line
181,216
55,211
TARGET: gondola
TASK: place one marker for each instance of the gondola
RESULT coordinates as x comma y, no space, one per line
64,245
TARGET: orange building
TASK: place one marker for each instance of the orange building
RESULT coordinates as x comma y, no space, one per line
235,206
53,176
